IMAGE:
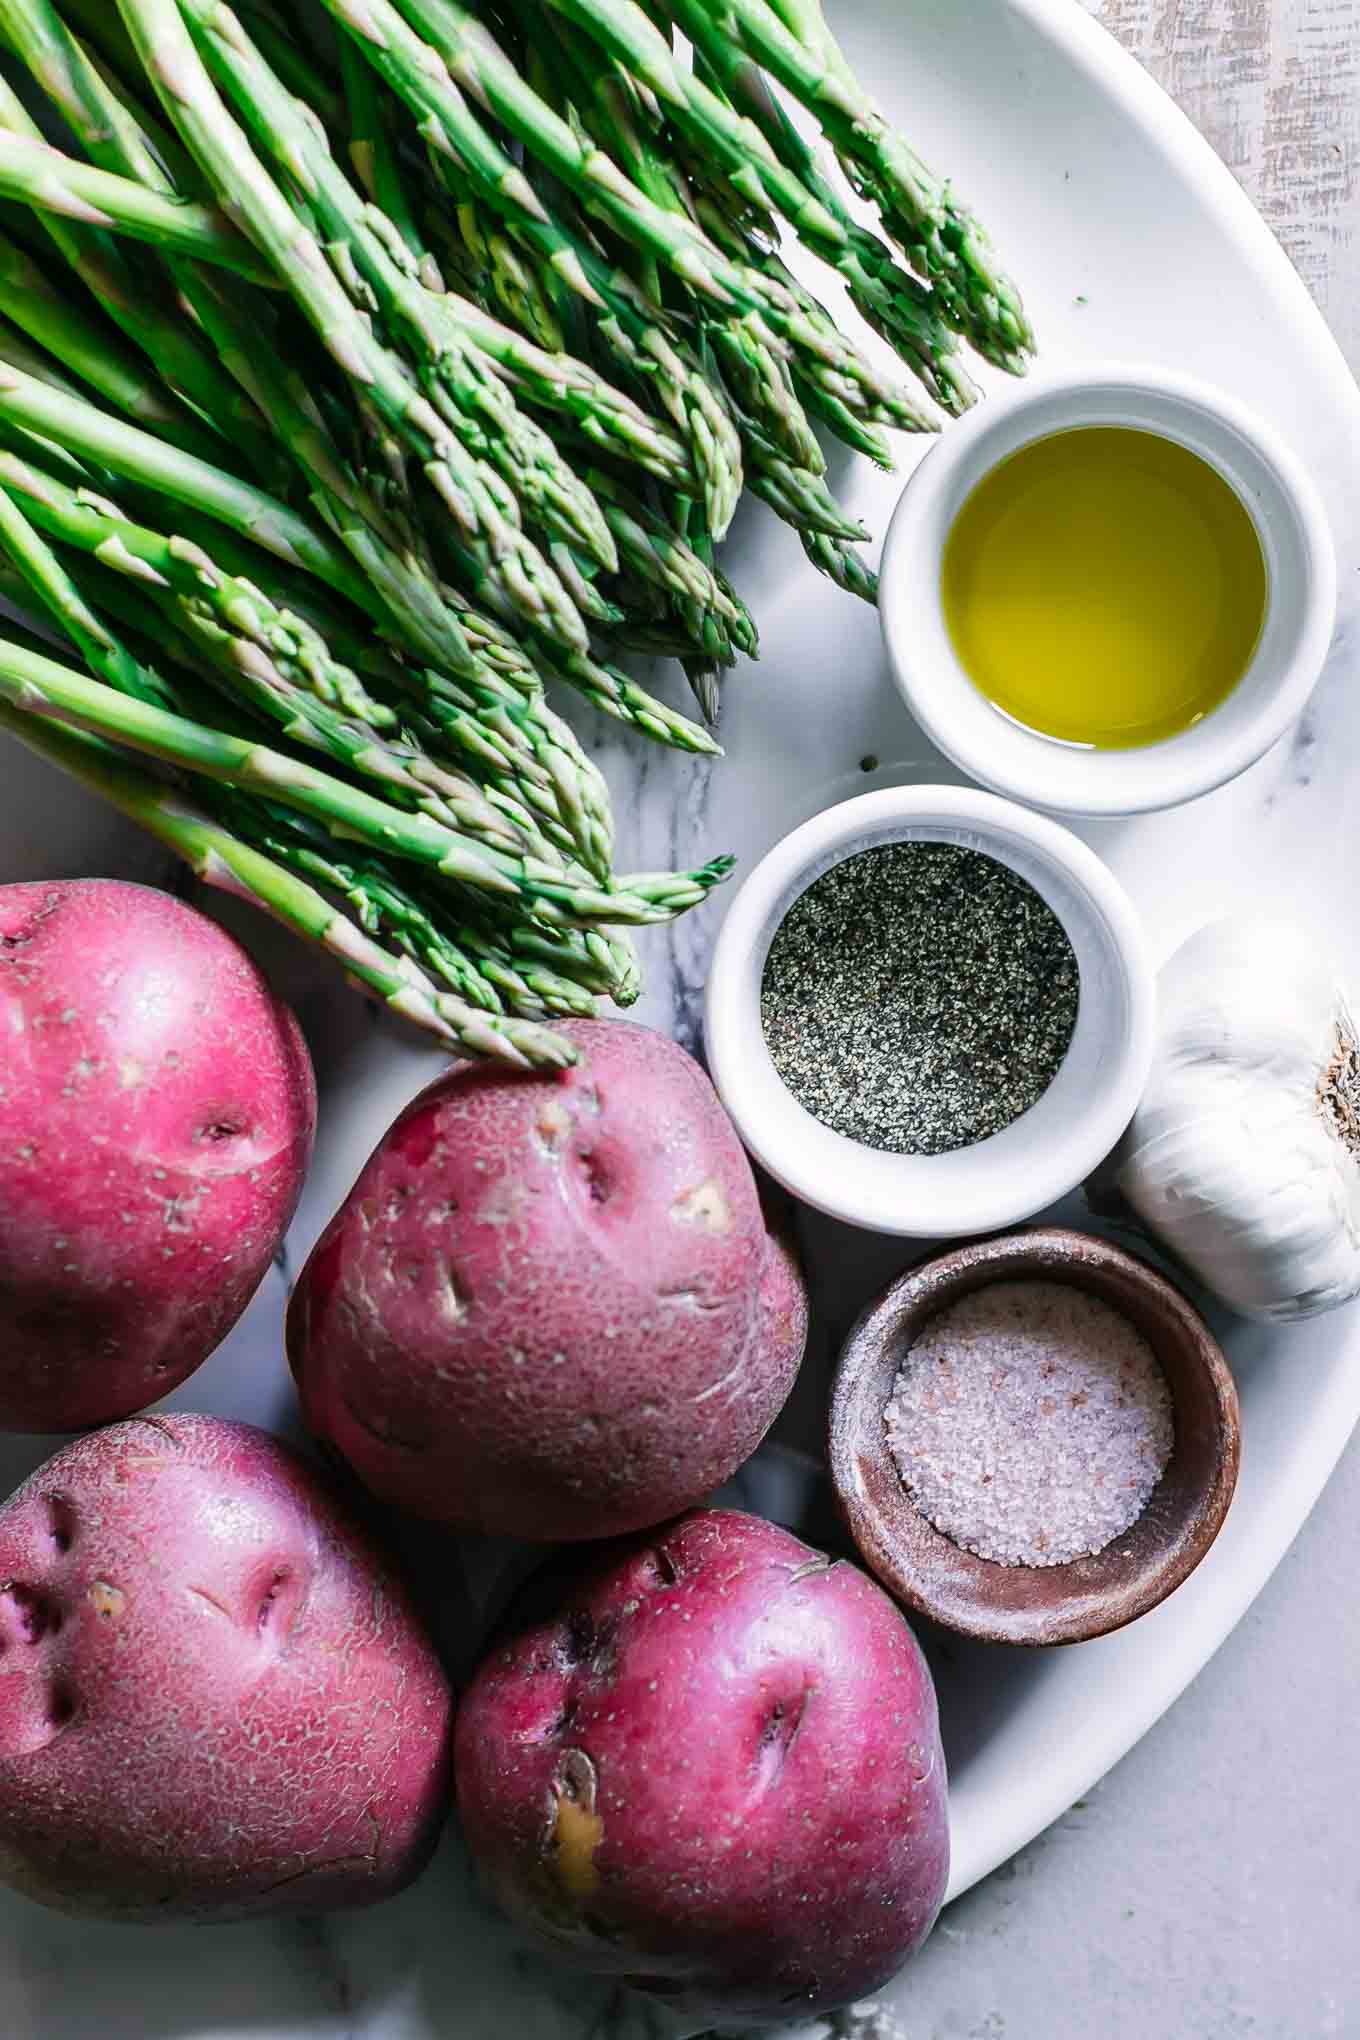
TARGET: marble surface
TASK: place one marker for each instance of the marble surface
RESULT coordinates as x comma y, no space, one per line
1206,1888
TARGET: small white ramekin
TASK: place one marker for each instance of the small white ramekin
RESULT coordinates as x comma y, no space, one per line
1040,1156
1068,779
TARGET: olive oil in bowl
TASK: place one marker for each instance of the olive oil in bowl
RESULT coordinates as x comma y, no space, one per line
1104,586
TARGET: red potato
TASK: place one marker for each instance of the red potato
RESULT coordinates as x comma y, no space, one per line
551,1306
783,1297
715,1772
157,1109
215,1699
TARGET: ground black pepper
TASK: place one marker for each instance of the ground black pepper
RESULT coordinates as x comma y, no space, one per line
918,997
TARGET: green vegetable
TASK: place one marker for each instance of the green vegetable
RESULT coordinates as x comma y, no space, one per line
422,47
369,369
791,40
470,398
169,342
41,176
42,687
219,145
225,862
93,353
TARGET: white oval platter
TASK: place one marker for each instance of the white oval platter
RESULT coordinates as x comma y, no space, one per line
1131,240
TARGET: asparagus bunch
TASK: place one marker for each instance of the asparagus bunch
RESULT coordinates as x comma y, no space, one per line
368,369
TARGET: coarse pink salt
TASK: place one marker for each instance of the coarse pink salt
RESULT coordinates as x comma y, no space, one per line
1030,1423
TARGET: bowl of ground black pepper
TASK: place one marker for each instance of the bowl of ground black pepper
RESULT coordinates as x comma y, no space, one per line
1033,1439
929,1011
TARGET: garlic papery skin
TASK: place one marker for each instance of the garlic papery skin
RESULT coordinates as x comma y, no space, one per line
1244,1155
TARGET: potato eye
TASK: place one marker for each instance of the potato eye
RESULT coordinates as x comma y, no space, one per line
219,1130
269,1599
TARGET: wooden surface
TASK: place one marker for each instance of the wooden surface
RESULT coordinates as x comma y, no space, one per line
1274,85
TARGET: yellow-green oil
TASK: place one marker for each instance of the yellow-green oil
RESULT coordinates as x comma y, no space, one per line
1104,586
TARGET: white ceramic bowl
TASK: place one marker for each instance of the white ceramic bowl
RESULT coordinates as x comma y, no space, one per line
1300,614
1040,1156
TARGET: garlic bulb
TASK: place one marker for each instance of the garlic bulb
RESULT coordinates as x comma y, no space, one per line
1244,1156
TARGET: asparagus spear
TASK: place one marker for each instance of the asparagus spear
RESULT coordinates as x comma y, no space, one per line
491,718
605,687
103,650
849,426
44,369
296,66
764,387
781,455
39,686
662,557
432,629
225,862
600,94
583,579
769,415
603,963
515,805
120,137
473,401
659,359
480,970
49,580
742,136
176,350
643,343
939,236
39,175
423,46
893,302
608,689
408,766
262,679
715,644
264,684
773,388
484,258
638,46
751,149
356,471
407,773
373,155
538,972
282,657
615,694
112,443
93,353
467,47
182,568
112,133
799,498
400,590
486,261
224,154
515,746
840,563
104,40
571,389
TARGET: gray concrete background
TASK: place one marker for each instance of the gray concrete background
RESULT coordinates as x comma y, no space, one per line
1210,1887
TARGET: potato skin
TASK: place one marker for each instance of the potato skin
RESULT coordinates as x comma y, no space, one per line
157,1109
715,1771
551,1307
216,1701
